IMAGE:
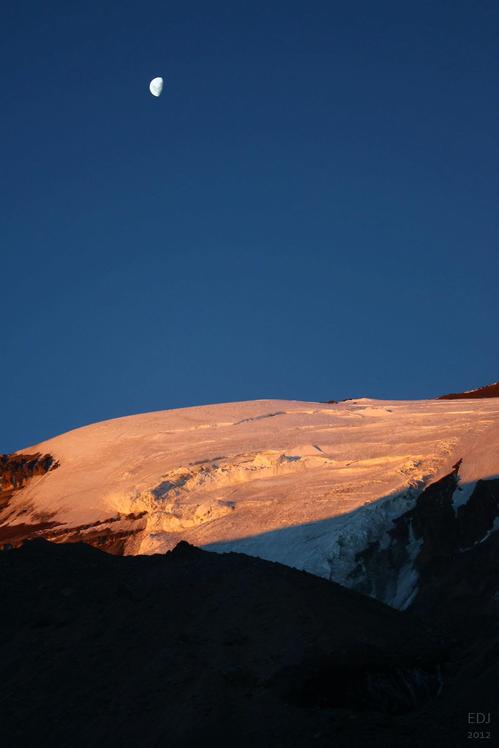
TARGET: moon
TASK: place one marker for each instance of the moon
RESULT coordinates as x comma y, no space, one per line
156,86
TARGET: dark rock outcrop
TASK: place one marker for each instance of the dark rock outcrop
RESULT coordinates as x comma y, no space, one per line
16,470
490,390
110,535
445,555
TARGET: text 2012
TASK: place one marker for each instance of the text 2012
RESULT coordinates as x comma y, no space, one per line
479,734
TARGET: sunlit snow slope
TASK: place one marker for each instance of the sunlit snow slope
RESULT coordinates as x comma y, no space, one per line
306,484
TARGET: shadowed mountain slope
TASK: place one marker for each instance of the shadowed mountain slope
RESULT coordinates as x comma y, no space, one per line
195,648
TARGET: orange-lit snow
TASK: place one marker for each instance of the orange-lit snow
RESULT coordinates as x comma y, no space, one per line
275,478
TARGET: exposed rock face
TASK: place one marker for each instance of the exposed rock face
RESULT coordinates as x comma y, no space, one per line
17,469
110,535
440,553
490,390
16,472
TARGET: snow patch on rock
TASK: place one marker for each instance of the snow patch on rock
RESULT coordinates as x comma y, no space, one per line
462,494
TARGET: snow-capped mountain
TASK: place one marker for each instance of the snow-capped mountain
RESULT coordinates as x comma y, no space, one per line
341,490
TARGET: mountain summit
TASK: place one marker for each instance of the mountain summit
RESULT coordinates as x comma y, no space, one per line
339,490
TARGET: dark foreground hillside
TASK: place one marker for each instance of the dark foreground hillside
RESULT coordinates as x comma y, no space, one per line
195,648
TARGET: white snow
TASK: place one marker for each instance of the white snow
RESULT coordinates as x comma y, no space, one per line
407,580
494,528
462,494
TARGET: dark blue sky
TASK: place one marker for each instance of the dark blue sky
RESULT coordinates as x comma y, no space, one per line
309,211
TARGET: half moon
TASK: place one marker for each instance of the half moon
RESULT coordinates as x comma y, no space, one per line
156,86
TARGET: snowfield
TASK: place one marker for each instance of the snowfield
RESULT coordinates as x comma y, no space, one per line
306,484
